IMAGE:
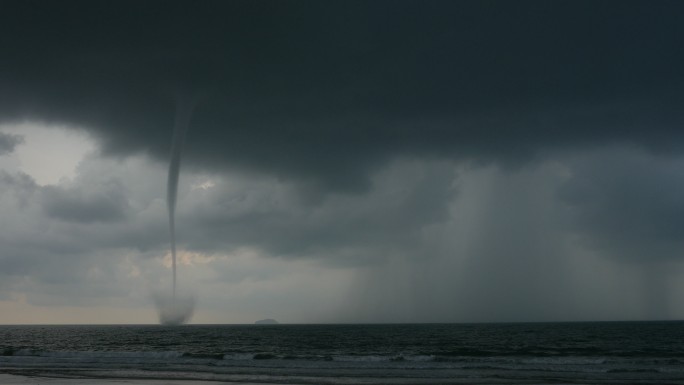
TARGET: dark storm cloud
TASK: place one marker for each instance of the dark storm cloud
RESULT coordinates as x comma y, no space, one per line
20,187
628,204
322,92
348,230
8,142
103,203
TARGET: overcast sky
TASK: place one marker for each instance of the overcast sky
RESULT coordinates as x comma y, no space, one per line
346,161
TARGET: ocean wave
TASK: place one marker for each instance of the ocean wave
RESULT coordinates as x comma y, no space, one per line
634,370
238,356
98,354
564,360
405,362
455,361
362,358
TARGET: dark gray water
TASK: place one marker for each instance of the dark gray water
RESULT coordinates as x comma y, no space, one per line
610,352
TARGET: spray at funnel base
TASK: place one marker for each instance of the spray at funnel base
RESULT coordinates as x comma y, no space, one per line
176,310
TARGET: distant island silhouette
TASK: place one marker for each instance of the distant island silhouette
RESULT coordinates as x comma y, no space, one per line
267,321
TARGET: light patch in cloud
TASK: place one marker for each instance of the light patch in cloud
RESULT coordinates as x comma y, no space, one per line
187,258
205,185
48,152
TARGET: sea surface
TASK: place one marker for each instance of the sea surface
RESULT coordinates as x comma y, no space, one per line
529,353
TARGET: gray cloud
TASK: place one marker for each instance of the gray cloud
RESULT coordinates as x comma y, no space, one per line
511,251
8,142
628,203
428,241
102,203
501,255
268,215
46,255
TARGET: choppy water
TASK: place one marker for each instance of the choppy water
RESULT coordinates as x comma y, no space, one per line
610,352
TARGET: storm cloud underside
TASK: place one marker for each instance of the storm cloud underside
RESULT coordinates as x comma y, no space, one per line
293,85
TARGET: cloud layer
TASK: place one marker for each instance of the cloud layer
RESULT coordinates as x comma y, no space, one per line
355,161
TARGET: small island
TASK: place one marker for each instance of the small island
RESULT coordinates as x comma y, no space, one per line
267,321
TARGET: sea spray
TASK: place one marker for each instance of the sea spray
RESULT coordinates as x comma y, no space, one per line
176,310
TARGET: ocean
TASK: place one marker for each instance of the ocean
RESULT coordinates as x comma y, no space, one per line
497,353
